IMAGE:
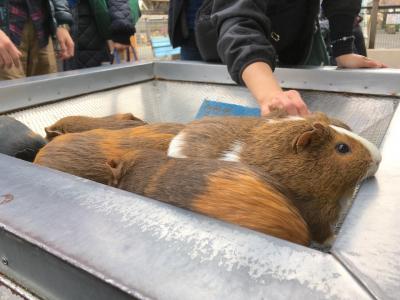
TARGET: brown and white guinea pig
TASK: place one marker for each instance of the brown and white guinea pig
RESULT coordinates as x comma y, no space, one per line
85,154
72,124
228,191
318,159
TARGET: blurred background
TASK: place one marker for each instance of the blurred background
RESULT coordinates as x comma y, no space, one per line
380,26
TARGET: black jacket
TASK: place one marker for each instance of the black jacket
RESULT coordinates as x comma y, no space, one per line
59,14
122,26
239,32
90,45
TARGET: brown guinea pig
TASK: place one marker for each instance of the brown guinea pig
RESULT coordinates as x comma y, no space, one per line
72,124
85,154
228,191
318,162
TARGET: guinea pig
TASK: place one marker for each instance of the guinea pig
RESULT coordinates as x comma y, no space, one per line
16,139
72,124
318,162
84,154
228,191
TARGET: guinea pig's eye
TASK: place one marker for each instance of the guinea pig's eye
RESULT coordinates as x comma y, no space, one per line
342,148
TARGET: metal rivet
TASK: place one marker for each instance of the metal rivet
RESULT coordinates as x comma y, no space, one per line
4,260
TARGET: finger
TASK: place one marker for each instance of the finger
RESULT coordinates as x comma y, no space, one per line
290,107
15,55
298,102
369,63
277,103
265,110
2,63
71,48
63,49
6,58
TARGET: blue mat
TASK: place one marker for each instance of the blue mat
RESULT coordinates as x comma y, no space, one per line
214,108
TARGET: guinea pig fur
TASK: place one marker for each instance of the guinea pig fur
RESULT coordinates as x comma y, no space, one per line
228,191
317,161
72,124
85,154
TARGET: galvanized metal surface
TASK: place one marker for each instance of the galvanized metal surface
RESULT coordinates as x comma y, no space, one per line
44,89
368,243
47,88
360,81
168,101
145,247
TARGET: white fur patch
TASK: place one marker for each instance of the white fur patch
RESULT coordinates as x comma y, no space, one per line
286,119
176,146
373,150
233,154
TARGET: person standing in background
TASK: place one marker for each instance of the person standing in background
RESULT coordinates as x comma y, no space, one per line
26,28
90,16
252,37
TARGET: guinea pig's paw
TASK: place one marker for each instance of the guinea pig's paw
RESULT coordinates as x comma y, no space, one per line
326,245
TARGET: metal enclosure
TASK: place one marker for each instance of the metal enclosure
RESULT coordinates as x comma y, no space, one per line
63,237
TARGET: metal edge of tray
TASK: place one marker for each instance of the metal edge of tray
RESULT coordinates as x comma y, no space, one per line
26,92
48,88
17,291
368,241
360,81
97,242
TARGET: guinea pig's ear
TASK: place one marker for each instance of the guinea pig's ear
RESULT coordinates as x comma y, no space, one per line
52,133
115,167
318,132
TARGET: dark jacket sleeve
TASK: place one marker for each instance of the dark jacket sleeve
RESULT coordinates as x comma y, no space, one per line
242,28
62,13
122,26
341,14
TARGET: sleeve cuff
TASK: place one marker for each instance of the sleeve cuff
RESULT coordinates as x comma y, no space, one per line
122,39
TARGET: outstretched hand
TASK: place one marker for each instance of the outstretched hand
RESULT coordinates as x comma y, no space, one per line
289,101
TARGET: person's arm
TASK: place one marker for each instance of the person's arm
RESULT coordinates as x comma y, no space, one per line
64,20
243,44
341,14
122,27
9,54
260,80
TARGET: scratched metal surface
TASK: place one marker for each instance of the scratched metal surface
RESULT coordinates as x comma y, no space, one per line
368,243
150,249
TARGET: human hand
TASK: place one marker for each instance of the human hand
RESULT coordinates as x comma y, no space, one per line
117,46
9,54
290,101
261,82
355,61
66,43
